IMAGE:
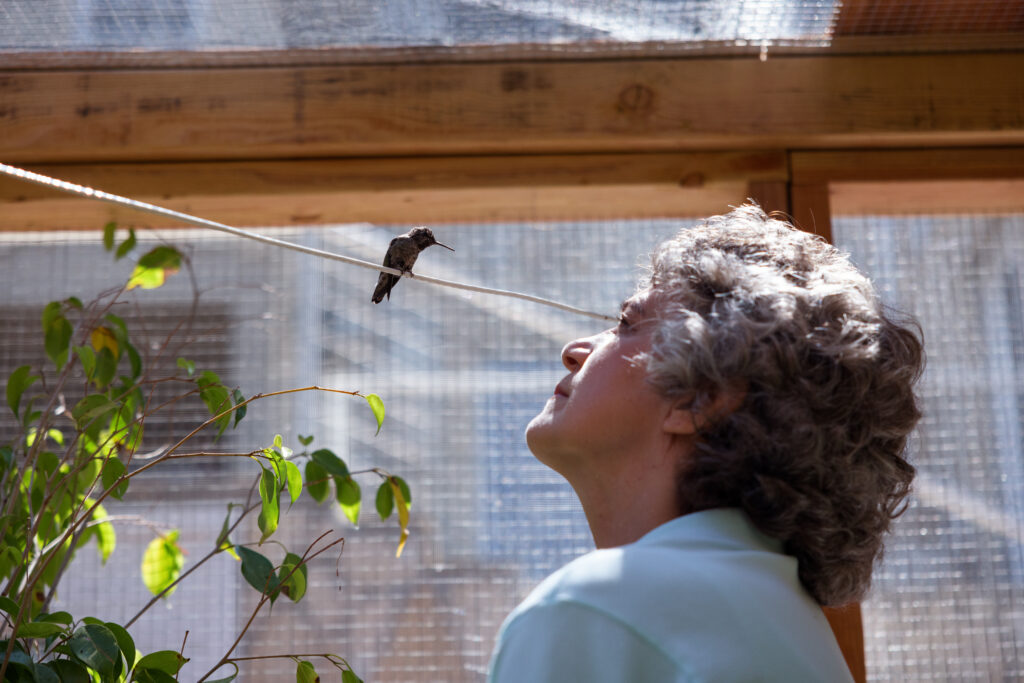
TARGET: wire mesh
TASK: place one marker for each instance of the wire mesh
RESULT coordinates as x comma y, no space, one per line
460,373
280,24
948,600
900,17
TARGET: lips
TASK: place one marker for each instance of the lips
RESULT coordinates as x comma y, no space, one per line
561,391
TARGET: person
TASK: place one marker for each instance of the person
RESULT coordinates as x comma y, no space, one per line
737,444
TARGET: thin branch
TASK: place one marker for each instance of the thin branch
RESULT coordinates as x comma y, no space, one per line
217,549
181,654
306,557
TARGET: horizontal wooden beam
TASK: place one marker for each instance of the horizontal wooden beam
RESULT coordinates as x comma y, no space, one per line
603,50
511,107
399,190
907,164
927,197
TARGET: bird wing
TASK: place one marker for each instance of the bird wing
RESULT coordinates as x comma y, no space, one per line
387,254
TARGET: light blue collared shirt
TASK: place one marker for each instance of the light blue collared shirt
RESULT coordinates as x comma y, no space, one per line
705,597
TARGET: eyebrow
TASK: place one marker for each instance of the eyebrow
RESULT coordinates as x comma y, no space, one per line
634,304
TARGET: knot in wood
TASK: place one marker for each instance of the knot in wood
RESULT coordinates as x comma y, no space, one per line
636,99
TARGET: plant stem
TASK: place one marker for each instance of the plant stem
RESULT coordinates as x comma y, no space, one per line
306,557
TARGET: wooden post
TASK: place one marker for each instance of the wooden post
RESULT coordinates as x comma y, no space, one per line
808,206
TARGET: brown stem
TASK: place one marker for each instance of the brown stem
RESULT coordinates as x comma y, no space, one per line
306,557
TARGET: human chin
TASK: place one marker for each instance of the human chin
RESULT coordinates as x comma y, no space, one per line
539,430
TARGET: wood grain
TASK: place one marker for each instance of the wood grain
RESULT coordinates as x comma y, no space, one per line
416,190
511,107
876,165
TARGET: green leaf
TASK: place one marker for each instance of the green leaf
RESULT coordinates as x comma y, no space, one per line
385,500
152,676
168,661
294,478
51,312
349,676
270,509
331,463
241,410
349,498
305,673
106,368
162,563
228,679
294,586
125,246
154,266
57,618
134,359
8,605
188,366
39,629
108,235
57,337
124,642
20,380
305,440
96,646
69,671
88,412
257,570
87,357
106,538
316,481
113,470
377,406
44,674
216,397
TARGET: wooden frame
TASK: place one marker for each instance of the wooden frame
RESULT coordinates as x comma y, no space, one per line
493,134
397,190
518,107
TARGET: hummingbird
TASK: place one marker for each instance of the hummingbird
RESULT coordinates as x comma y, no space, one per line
401,255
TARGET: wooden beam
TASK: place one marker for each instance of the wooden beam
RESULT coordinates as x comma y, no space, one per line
420,190
891,182
908,17
811,209
511,107
907,164
837,45
927,197
848,627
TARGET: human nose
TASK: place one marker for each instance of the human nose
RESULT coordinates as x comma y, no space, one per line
575,353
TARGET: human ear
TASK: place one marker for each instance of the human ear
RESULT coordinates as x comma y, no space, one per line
683,418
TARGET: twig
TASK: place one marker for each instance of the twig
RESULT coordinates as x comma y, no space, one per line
181,654
306,557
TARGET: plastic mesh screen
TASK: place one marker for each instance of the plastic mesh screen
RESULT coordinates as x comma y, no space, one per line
276,24
948,600
461,374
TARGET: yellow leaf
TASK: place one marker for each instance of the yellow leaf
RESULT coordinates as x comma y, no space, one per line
103,338
403,515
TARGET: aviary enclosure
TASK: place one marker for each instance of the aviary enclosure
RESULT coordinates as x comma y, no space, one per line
551,144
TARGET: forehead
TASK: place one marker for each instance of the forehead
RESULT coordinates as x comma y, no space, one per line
643,302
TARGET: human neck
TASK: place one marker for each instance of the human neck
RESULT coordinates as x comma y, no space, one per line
625,512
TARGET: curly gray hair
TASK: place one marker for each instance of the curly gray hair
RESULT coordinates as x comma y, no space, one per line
815,452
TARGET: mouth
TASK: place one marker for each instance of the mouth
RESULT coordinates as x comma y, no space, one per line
560,391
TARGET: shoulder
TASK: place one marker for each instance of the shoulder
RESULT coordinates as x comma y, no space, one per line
696,597
559,634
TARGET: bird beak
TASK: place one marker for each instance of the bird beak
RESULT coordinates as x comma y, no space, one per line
443,245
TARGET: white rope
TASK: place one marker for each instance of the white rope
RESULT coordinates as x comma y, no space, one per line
83,191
